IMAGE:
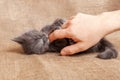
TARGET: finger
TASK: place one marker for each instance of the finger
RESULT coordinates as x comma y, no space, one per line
59,34
66,24
75,48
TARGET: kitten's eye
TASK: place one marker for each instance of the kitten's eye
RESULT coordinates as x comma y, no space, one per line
37,39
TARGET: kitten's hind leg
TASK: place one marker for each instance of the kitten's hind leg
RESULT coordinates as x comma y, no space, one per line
109,50
108,53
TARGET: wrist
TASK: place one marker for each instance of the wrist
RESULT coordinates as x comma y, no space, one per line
110,21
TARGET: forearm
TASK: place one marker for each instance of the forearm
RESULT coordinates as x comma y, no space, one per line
111,21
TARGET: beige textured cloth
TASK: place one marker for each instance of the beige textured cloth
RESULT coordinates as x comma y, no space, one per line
18,16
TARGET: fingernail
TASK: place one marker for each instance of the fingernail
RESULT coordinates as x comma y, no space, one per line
64,53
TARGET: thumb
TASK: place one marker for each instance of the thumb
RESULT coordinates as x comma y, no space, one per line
75,48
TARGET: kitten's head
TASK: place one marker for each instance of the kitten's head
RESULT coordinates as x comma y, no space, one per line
33,42
37,41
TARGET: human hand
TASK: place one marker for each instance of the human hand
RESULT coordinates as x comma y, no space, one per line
86,30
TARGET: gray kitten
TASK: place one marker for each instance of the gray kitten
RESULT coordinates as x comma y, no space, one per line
37,42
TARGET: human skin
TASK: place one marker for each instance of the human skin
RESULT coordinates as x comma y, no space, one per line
86,30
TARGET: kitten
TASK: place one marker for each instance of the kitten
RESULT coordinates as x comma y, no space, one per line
37,42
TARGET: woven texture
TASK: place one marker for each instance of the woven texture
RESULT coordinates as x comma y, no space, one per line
19,16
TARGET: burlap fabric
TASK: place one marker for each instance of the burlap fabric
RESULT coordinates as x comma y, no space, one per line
18,16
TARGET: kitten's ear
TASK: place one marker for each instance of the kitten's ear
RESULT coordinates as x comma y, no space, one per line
18,40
